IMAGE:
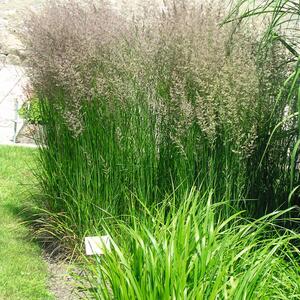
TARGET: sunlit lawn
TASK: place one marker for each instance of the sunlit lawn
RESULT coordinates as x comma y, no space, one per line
23,273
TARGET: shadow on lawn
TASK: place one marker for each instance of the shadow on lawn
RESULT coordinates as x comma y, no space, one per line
61,269
30,216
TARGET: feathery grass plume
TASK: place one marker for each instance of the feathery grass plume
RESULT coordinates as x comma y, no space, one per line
282,26
141,110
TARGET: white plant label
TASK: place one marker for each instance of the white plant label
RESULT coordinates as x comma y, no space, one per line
97,245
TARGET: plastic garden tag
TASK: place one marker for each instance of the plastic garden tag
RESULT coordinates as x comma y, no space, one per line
97,245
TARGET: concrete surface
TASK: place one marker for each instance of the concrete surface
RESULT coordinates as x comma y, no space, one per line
12,83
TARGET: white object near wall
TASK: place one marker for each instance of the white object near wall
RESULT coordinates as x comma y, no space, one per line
12,95
97,245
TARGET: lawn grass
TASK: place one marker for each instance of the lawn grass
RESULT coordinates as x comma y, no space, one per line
23,273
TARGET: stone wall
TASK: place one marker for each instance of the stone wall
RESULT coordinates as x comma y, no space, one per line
11,14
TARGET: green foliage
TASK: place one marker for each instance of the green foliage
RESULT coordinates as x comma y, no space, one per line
140,111
31,111
191,252
283,18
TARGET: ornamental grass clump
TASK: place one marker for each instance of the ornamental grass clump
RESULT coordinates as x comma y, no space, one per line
190,252
283,20
145,107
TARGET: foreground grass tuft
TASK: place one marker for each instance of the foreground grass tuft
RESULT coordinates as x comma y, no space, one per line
23,273
193,253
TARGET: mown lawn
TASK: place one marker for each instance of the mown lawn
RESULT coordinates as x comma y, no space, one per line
23,273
